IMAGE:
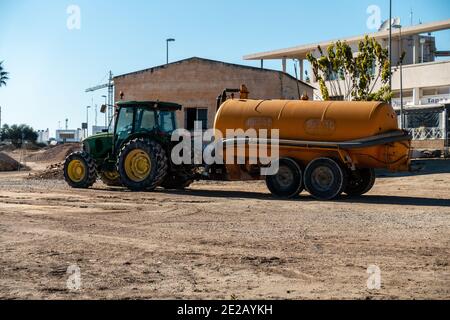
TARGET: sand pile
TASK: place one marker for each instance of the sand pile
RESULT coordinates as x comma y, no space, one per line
9,164
55,154
52,172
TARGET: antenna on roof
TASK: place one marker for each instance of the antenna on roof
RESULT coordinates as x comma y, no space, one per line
411,16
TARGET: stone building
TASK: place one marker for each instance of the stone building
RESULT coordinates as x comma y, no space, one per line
195,83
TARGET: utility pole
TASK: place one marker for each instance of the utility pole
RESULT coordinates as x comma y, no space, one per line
110,97
390,46
110,87
95,123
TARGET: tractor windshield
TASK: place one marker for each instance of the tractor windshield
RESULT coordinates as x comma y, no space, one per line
167,121
124,125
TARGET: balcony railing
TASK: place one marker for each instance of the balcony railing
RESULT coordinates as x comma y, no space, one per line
427,133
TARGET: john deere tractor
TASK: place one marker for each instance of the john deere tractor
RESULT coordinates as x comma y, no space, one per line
136,155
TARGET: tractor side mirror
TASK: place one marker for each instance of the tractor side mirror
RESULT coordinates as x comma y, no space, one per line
103,108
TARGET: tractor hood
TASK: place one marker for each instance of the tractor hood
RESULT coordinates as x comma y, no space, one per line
102,135
99,145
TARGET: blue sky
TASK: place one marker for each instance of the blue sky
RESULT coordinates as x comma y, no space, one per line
51,66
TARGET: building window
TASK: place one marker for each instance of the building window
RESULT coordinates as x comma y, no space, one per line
424,120
196,114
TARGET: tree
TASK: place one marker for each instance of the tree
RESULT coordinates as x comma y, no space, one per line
3,75
343,75
18,133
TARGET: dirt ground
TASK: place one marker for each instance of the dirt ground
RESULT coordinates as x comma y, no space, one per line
223,240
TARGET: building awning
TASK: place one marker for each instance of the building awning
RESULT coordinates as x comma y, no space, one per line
300,52
422,108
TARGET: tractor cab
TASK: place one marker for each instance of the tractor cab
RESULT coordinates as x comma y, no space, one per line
143,119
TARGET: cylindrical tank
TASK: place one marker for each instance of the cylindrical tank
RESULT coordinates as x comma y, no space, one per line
332,121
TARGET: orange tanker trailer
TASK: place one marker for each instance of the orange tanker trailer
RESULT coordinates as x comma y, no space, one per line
325,147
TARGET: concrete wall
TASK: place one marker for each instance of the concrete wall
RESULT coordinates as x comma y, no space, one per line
438,144
197,83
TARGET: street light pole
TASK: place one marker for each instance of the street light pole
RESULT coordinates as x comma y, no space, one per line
390,46
167,48
87,120
106,114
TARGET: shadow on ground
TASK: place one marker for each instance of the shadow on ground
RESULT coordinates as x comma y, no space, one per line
368,199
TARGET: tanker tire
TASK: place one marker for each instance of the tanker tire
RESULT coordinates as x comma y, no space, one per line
159,164
325,179
288,182
90,174
361,182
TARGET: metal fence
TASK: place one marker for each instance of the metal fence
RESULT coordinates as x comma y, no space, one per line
427,133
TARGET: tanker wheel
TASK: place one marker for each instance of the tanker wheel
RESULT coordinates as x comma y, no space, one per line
79,170
177,182
288,182
142,164
360,182
325,179
111,178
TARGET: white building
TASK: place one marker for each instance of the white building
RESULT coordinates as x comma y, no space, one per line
43,136
426,77
68,136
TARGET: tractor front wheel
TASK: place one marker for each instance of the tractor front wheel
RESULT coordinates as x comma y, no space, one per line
80,171
142,164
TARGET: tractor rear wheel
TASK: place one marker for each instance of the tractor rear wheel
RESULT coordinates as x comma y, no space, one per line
360,182
80,170
111,178
177,181
142,164
325,179
288,182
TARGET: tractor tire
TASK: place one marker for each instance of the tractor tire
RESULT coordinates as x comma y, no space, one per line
360,182
142,165
79,170
288,182
177,181
325,179
111,179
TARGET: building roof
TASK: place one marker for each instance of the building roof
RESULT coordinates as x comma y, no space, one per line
161,67
300,52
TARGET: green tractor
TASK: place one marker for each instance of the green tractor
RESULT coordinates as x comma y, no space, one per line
136,155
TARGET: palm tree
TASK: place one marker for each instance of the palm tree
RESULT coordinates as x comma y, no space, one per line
3,75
